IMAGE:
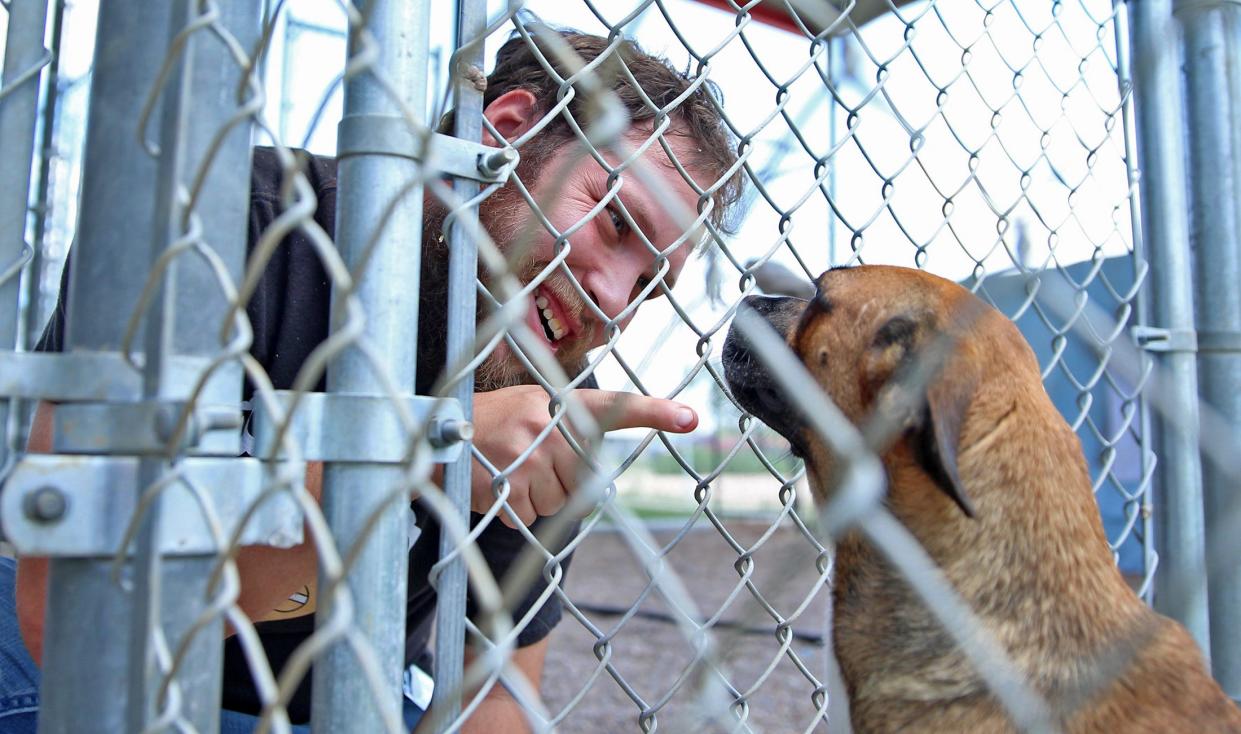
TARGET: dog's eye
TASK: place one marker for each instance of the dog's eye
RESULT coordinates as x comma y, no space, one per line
822,357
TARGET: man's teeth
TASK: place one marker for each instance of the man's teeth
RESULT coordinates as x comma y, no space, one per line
549,317
554,324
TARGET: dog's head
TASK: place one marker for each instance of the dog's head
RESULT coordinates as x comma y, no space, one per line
861,337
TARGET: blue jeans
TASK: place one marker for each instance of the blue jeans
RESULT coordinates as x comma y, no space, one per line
19,676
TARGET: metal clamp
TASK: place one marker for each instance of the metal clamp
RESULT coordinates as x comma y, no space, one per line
388,135
79,506
91,428
362,428
1155,339
92,376
1219,342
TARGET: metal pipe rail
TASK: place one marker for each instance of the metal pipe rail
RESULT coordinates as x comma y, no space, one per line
1211,52
379,223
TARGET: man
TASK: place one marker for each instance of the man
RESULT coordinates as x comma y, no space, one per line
611,264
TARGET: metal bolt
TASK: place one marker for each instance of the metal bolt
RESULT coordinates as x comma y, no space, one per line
449,431
167,415
493,164
219,418
210,418
45,504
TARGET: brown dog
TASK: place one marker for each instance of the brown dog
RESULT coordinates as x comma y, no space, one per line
992,482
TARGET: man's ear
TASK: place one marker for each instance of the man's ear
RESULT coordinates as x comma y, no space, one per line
512,114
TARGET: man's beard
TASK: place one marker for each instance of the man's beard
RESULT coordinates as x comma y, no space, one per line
502,368
499,214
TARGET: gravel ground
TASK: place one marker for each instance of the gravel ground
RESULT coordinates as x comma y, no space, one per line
651,656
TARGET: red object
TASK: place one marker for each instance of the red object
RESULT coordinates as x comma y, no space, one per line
772,13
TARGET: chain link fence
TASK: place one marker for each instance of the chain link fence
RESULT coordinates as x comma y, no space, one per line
997,144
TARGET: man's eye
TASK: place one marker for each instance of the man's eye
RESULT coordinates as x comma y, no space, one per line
618,223
643,282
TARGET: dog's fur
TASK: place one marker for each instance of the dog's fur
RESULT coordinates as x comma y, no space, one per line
992,482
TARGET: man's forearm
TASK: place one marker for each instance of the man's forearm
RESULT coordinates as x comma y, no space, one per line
499,712
271,575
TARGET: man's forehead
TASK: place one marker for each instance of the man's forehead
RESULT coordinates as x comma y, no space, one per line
652,151
654,163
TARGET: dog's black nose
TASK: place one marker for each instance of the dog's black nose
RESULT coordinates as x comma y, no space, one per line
739,364
748,378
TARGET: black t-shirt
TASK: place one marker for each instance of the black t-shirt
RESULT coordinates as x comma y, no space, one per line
289,315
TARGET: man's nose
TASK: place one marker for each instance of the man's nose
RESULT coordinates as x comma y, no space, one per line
612,285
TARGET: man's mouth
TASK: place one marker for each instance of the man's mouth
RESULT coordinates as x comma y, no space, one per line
549,314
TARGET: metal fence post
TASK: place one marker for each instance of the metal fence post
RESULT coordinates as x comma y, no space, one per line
463,268
84,672
24,57
1147,461
1181,589
375,190
1212,55
36,315
102,676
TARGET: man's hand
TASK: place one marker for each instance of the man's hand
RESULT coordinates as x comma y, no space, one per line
507,422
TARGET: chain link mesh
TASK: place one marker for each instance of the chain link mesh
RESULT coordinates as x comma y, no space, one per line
987,142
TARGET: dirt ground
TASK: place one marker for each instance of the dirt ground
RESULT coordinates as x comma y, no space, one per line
653,658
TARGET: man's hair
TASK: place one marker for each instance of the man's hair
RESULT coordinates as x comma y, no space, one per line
697,117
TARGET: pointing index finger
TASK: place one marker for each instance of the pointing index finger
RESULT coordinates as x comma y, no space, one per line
616,410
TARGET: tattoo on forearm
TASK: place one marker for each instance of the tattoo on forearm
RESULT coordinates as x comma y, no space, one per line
295,602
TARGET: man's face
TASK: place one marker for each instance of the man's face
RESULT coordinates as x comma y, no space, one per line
607,256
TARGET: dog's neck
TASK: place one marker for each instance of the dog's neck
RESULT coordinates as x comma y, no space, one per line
1034,562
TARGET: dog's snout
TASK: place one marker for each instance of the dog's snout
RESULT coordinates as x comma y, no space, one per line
741,369
748,378
780,311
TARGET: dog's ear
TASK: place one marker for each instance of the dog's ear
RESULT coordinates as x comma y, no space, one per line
889,352
935,428
947,400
